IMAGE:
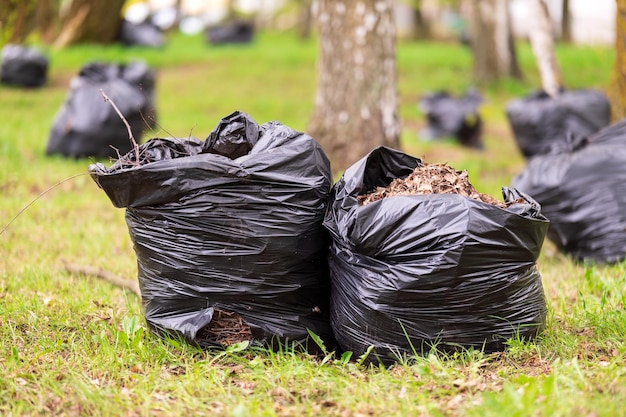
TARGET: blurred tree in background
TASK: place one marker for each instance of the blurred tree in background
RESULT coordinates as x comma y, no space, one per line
306,18
356,100
96,21
617,92
541,35
566,22
421,25
16,20
491,40
47,19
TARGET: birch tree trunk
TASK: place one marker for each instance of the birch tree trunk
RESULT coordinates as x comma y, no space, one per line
542,42
617,91
356,100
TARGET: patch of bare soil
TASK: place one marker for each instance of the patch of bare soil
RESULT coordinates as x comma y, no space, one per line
430,179
225,329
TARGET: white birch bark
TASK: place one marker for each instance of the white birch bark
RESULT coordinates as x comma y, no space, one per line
542,43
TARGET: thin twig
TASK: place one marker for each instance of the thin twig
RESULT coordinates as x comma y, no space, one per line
145,121
190,132
130,132
105,275
150,102
156,124
37,198
117,151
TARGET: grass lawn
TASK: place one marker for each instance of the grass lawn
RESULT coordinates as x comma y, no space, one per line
75,345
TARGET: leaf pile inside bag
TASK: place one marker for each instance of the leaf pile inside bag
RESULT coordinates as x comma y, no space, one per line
226,329
430,179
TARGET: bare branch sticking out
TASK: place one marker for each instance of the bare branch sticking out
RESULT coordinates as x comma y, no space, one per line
130,132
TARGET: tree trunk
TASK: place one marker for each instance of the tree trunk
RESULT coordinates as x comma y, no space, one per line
542,42
231,11
617,90
47,19
95,21
492,41
566,22
306,19
422,25
16,20
356,100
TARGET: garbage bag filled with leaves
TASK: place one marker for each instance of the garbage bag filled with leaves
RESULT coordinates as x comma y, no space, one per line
87,125
23,66
449,116
581,186
228,233
538,120
141,34
420,259
235,32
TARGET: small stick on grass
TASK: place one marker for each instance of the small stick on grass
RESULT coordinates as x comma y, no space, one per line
130,132
105,275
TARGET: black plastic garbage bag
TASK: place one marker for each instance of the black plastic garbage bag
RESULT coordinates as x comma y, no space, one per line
87,125
23,66
449,116
413,272
236,32
581,186
239,232
539,120
141,34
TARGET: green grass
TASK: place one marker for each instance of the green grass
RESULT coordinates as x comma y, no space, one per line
74,345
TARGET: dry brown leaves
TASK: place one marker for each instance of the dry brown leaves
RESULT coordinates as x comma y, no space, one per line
430,179
226,328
